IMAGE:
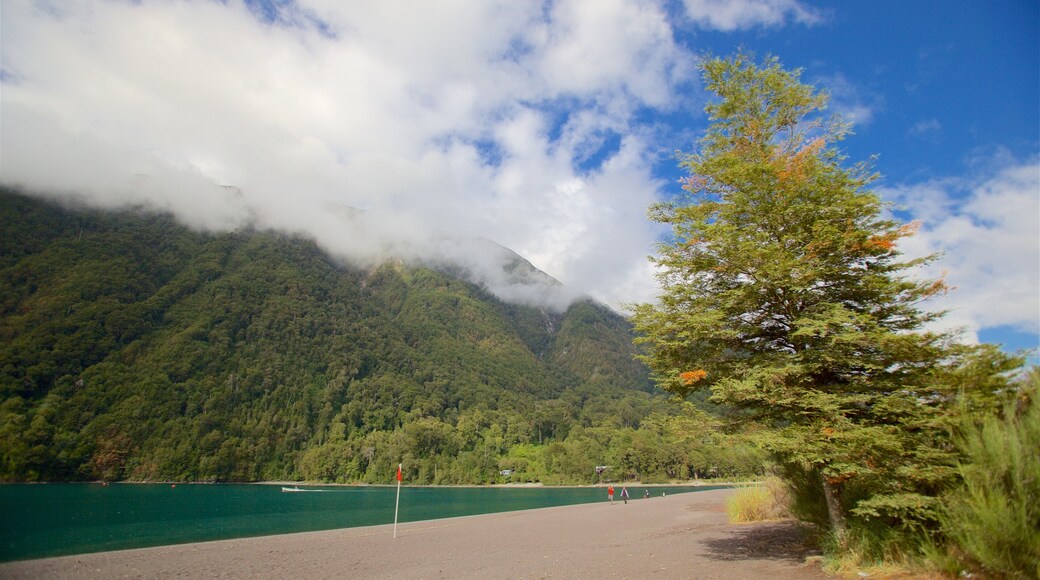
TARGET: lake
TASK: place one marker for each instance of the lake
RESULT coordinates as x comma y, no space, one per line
56,519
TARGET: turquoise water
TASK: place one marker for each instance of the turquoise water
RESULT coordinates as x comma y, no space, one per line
75,518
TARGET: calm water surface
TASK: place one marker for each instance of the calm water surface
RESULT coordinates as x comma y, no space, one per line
55,519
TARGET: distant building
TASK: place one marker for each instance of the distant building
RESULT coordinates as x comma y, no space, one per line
506,472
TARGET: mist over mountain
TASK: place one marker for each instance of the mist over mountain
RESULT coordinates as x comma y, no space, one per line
502,271
357,238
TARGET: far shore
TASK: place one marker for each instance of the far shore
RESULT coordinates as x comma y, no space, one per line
690,483
683,535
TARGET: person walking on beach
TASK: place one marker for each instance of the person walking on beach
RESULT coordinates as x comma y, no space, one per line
610,493
646,494
624,494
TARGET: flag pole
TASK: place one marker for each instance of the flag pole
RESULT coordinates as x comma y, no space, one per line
398,503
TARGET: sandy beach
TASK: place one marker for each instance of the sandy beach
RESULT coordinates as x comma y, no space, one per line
676,536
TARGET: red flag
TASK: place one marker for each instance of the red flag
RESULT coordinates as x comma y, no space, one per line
397,504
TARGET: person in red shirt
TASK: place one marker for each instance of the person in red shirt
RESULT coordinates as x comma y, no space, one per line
610,493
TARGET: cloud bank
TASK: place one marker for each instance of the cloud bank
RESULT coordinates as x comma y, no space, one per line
986,229
513,121
729,15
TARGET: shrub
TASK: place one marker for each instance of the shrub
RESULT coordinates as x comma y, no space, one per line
805,495
992,521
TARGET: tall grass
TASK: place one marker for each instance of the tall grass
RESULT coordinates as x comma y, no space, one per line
768,501
992,521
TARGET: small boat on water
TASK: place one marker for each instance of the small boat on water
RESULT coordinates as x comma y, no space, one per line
297,488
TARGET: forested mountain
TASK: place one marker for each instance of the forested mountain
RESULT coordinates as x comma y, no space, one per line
132,347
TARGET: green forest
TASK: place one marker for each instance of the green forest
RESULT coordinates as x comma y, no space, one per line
134,348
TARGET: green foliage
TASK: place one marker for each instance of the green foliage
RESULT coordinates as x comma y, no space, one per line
586,344
805,489
134,348
786,297
992,520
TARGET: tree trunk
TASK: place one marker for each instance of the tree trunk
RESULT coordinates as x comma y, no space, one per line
835,510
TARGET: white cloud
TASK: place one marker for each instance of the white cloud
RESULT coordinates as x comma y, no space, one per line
928,130
611,46
852,102
987,229
728,15
490,119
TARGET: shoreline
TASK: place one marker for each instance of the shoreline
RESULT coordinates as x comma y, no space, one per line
536,485
675,536
539,485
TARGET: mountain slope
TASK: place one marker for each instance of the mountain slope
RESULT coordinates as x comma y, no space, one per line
133,347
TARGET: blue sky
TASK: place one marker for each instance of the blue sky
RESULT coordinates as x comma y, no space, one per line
943,81
546,126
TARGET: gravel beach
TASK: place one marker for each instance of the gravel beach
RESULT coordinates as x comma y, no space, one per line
675,536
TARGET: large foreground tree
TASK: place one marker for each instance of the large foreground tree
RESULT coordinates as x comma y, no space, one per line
785,294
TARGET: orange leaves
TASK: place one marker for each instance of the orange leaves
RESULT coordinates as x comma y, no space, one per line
690,377
909,229
747,137
753,128
937,287
810,149
694,183
794,167
886,242
816,248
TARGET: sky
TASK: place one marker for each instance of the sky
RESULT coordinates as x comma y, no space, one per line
548,127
